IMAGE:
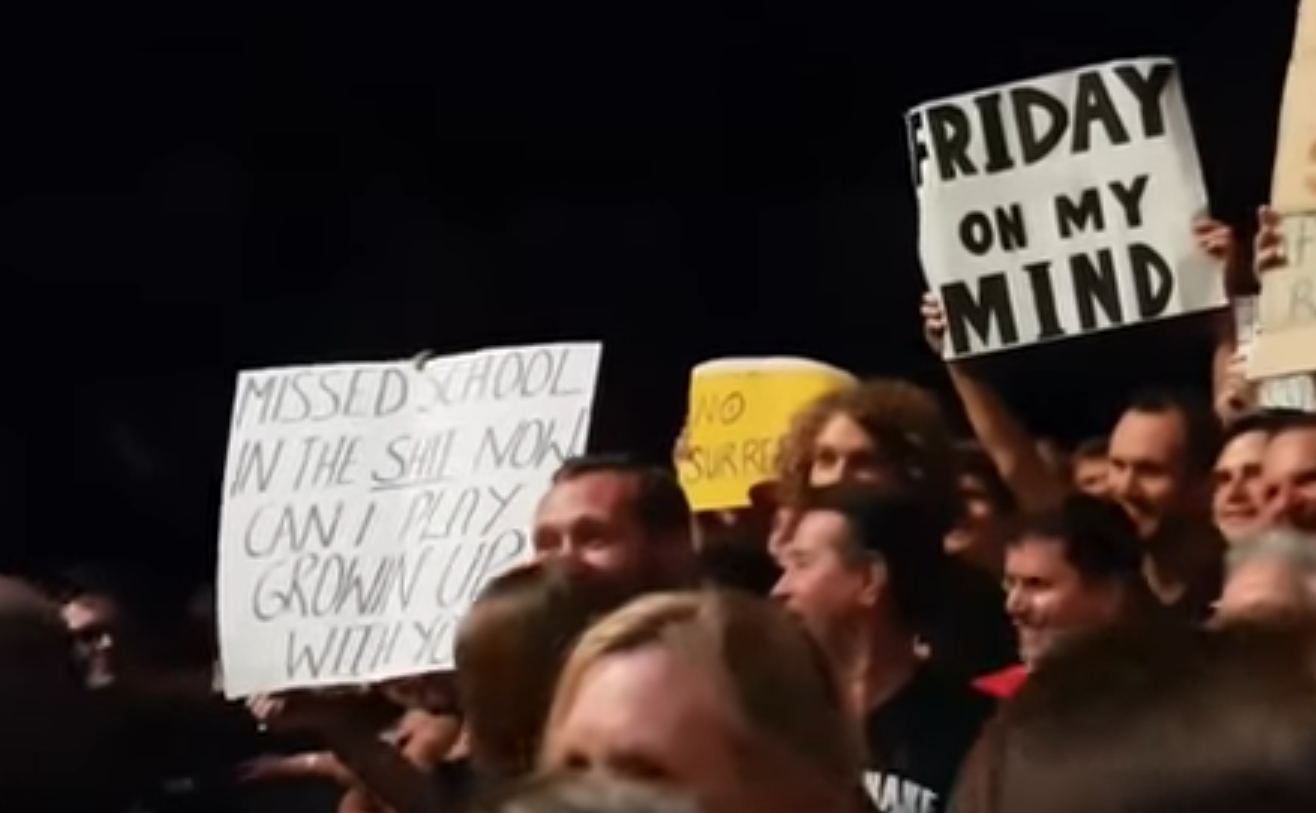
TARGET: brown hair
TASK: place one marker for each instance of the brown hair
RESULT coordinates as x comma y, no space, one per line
1156,721
509,650
906,422
777,681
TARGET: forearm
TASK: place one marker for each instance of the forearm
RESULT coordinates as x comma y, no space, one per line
1011,447
383,771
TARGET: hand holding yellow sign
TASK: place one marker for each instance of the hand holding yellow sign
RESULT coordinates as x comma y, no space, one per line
740,410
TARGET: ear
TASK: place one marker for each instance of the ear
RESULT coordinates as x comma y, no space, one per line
872,582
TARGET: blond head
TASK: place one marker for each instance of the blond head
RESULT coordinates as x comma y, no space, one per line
778,687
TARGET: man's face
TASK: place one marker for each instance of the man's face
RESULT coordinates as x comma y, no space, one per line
1238,498
590,521
1147,470
1047,599
844,453
817,583
1289,473
1090,475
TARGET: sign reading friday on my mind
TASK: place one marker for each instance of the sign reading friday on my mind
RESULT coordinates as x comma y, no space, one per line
1061,206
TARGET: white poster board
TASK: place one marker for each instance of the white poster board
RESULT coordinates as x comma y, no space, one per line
1061,206
1287,342
1281,392
366,504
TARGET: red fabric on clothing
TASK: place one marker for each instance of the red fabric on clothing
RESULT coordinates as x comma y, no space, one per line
1004,683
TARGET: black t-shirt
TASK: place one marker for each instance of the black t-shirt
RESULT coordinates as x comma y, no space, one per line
970,634
917,740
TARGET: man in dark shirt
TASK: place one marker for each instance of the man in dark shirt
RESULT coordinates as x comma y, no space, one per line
857,564
1161,470
1070,571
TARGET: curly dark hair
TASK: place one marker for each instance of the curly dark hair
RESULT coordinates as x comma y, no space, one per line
906,422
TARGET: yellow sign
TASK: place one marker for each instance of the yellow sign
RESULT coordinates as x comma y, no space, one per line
739,411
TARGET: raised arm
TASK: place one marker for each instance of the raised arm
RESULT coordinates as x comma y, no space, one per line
1010,445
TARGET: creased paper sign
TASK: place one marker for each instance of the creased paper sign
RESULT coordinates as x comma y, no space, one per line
1286,339
1285,343
1293,187
1283,392
1061,206
365,505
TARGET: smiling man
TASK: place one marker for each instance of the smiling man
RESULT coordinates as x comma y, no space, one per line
1162,455
1069,571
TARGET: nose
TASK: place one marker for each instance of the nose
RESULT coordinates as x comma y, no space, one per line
566,552
1282,506
1231,491
1120,482
828,474
1015,603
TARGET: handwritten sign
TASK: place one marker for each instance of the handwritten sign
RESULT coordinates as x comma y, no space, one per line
1287,305
1061,206
1284,343
1293,187
739,412
366,504
1282,392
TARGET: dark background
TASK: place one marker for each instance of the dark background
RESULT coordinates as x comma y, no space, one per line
194,187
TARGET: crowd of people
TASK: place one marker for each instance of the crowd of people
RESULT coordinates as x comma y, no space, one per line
899,621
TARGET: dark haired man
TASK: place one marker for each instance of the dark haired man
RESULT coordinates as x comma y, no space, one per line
1162,453
1239,496
1157,722
857,566
1289,474
627,521
1068,571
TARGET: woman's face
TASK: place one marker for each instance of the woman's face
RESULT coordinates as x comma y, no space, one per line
843,452
652,715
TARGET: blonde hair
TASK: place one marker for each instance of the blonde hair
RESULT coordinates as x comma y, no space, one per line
778,684
575,792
